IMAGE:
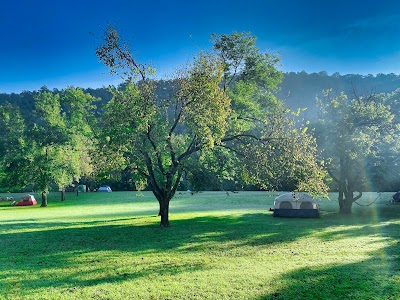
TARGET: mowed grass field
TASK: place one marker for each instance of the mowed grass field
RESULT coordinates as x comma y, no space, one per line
219,246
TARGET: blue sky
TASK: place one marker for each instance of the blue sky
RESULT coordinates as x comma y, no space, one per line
49,43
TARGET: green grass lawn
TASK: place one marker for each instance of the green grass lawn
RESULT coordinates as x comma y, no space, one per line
109,246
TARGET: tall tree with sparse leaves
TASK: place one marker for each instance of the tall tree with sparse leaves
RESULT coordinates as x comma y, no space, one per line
222,106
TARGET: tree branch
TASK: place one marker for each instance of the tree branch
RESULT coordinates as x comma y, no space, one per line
151,175
131,60
176,122
232,149
234,137
177,181
191,149
235,71
333,176
357,197
157,153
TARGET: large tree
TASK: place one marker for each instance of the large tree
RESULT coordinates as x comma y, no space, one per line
52,146
12,145
355,135
222,108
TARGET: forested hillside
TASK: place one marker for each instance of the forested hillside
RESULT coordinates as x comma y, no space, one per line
25,100
298,90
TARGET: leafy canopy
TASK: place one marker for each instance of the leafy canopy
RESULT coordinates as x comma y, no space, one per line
223,108
52,146
353,133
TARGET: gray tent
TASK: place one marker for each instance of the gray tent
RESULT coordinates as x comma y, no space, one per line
300,205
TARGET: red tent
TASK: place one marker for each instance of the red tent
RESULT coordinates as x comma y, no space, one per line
27,200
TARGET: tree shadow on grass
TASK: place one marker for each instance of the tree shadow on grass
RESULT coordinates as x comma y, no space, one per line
89,253
54,247
376,277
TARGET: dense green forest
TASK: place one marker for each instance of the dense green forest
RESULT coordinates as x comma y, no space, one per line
298,89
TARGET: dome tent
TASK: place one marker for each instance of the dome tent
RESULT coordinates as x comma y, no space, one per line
300,205
27,200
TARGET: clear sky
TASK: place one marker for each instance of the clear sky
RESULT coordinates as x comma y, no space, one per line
47,42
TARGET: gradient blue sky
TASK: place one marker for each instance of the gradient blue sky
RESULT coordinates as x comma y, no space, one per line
48,42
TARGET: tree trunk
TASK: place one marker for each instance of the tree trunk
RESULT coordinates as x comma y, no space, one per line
345,198
346,203
164,212
165,191
63,195
44,199
345,206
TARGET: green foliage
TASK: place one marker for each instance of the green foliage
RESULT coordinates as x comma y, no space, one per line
53,145
353,134
214,169
204,106
154,137
298,89
264,138
222,107
12,146
12,125
243,61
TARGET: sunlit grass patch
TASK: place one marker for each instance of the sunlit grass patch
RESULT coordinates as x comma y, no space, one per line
109,246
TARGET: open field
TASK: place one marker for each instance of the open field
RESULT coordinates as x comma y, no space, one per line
109,246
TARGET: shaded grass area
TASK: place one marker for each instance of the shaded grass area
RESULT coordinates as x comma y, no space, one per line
109,246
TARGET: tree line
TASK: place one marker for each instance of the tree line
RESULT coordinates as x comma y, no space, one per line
218,120
297,90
